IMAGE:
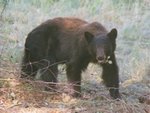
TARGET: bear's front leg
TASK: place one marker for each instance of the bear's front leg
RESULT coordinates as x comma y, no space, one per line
110,77
74,79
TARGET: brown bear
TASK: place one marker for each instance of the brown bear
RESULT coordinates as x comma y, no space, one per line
76,43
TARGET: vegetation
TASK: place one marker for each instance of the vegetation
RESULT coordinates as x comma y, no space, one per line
130,17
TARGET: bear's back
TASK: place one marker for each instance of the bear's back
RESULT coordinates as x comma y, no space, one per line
64,23
71,24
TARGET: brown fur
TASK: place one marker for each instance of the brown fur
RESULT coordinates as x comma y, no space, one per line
74,42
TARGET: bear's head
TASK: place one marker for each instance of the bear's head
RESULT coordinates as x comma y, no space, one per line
101,46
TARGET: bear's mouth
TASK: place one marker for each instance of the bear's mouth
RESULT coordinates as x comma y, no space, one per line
105,61
101,61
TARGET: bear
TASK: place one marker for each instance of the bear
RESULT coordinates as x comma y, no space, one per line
75,43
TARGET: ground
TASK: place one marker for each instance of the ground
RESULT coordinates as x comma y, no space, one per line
23,96
133,51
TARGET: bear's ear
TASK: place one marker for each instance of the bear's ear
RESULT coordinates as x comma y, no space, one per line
113,34
88,36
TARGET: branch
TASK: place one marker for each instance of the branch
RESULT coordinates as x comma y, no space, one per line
5,2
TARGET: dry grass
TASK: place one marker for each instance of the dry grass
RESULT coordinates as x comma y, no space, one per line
133,51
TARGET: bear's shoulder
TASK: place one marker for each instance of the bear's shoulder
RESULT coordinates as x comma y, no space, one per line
94,28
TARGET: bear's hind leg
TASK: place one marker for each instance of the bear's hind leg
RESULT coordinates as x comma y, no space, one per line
49,73
28,71
28,68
